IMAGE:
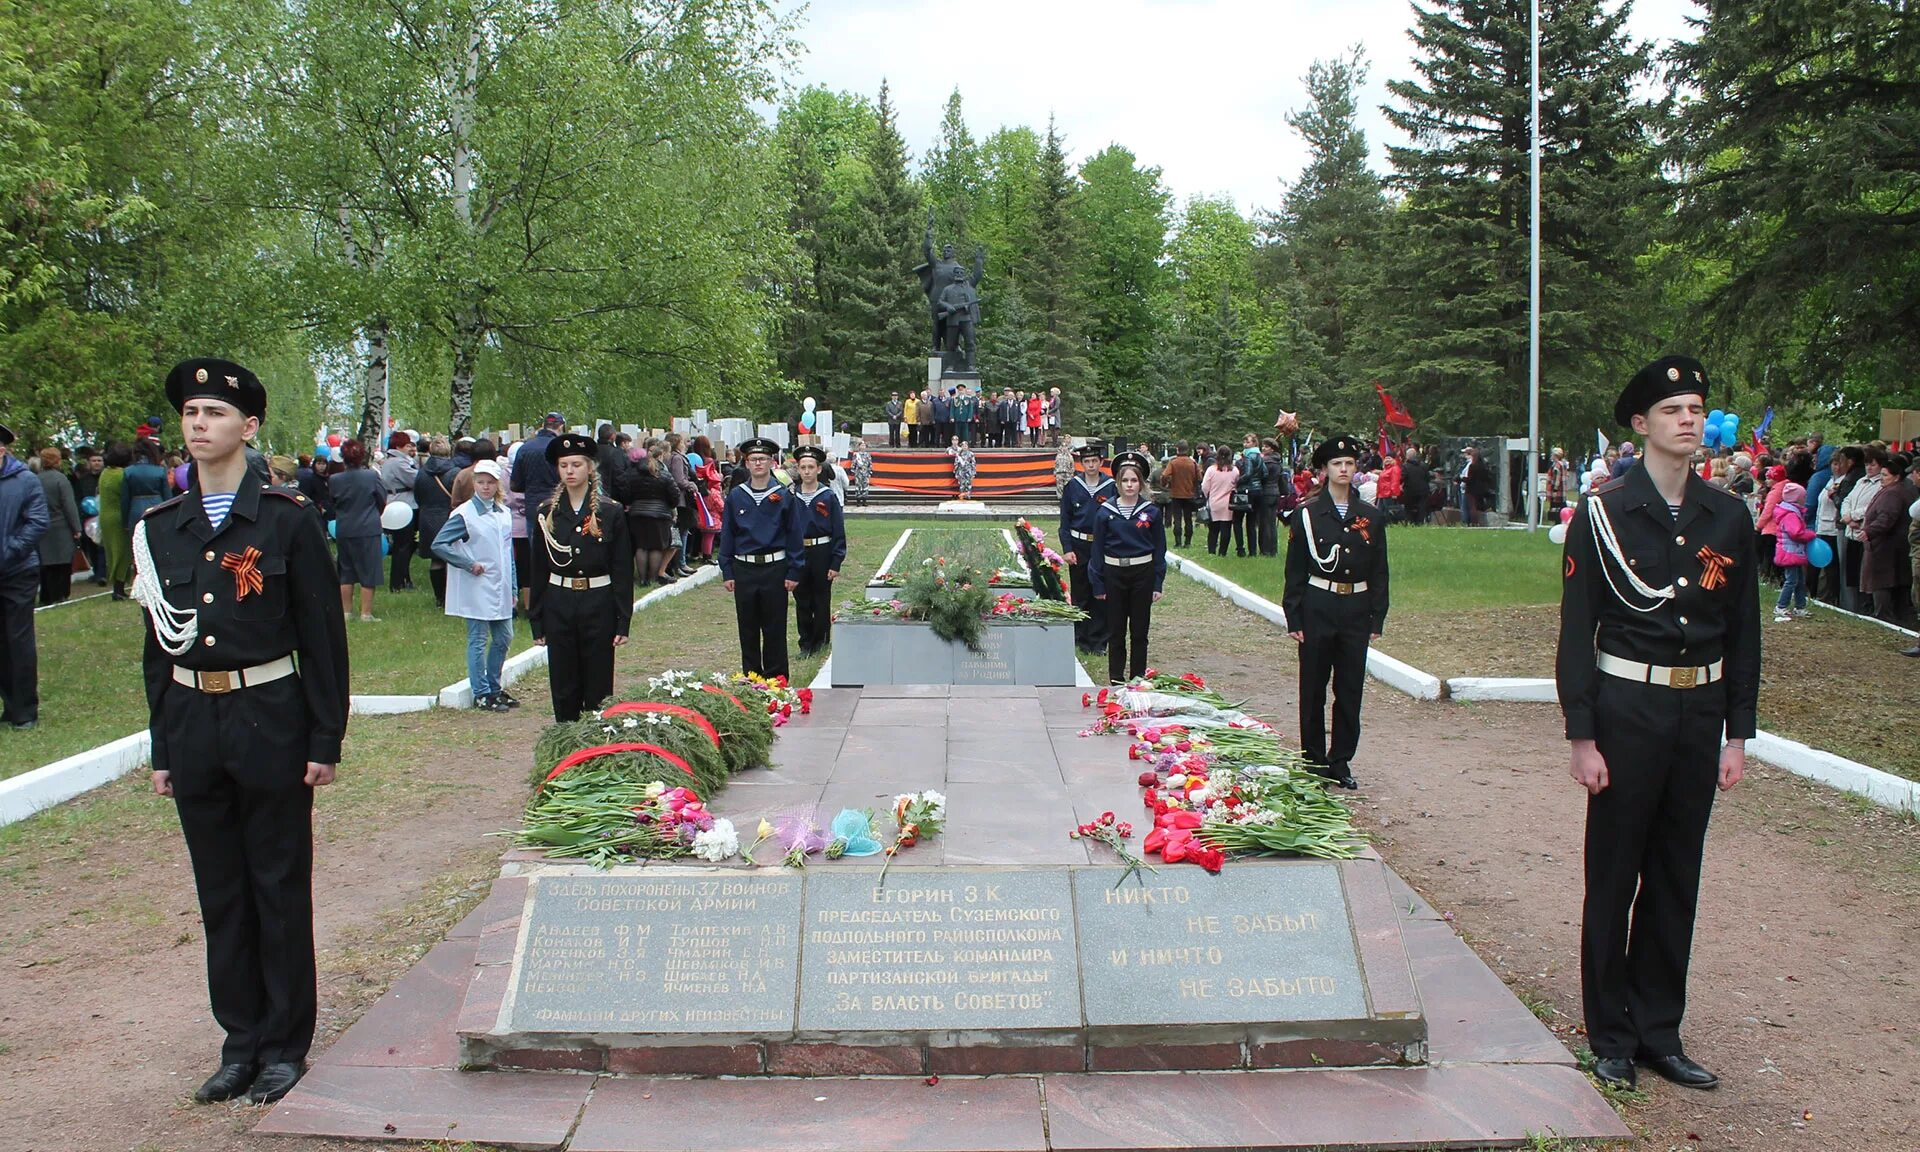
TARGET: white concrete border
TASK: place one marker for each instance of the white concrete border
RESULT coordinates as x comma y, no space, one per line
886,566
1381,666
23,795
1528,690
1883,788
73,600
367,705
1857,616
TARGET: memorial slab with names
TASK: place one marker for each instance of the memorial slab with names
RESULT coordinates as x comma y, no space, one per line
656,952
1249,945
939,951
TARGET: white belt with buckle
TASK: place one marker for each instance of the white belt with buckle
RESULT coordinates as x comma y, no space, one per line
220,683
578,583
812,540
1126,561
1337,588
762,558
1656,674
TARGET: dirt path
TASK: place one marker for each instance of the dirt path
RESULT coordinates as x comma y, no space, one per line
1802,996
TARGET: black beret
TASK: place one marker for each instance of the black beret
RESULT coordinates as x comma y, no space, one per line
208,379
1130,458
6,434
571,444
1336,448
810,452
1092,449
1667,376
759,445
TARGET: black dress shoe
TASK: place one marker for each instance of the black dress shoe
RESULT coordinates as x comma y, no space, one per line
230,1081
1615,1072
1347,782
274,1081
1913,651
1681,1071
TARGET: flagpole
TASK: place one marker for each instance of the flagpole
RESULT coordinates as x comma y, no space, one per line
1533,293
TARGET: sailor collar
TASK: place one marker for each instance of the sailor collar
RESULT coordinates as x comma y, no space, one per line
1093,489
761,495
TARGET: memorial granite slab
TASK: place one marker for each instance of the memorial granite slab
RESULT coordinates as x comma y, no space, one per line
656,952
938,951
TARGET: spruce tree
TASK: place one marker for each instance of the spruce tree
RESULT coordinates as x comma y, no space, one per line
1045,272
1454,334
953,176
1326,240
1120,218
878,327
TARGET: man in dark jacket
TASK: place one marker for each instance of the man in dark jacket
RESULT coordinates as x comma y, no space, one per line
1416,485
611,462
23,520
532,475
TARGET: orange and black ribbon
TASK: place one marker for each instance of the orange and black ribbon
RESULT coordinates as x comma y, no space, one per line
1713,568
245,567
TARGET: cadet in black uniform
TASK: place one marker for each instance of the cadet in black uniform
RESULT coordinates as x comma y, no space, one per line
1079,499
1659,651
1336,603
823,531
761,559
1127,567
580,579
246,676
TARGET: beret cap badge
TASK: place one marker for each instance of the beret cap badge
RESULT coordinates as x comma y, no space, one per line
200,376
1673,374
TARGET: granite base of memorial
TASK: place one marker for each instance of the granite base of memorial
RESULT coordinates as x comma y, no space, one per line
884,651
890,591
736,971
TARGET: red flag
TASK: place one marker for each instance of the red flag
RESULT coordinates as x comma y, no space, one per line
1395,413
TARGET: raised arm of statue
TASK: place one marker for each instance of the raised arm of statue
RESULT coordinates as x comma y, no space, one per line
926,240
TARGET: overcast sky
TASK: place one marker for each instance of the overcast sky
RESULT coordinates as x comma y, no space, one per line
1199,87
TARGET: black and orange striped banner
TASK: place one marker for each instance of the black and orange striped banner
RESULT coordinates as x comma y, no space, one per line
995,473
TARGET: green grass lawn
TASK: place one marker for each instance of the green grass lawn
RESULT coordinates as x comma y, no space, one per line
1434,570
90,685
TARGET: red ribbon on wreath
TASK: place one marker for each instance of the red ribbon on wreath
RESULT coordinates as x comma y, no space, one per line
680,710
599,750
723,692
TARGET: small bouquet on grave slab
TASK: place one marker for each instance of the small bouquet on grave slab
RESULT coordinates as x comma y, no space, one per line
781,697
854,832
915,815
1114,832
799,836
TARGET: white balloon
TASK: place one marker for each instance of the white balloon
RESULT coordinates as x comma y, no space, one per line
396,516
1557,533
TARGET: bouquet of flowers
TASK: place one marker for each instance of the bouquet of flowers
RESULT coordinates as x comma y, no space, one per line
781,698
1043,563
1114,833
915,815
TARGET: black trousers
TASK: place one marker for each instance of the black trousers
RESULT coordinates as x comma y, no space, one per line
893,433
1266,517
1218,533
1129,607
813,600
252,853
1245,535
1645,834
56,583
400,546
1090,633
578,626
1182,521
760,608
1335,646
19,658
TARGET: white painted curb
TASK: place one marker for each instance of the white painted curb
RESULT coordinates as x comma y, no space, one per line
1883,788
1857,616
1381,666
1527,690
887,564
23,795
387,705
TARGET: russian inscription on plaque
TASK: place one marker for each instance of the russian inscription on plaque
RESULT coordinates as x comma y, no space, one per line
657,952
934,951
1270,943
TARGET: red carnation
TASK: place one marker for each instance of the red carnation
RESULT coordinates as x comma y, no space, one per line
1148,779
1212,859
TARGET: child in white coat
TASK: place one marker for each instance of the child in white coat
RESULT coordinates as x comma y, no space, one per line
477,544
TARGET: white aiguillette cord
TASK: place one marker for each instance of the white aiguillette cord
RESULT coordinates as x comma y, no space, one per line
1325,563
175,628
1604,538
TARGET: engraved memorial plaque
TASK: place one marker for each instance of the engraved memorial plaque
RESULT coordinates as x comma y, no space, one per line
657,952
1256,943
938,950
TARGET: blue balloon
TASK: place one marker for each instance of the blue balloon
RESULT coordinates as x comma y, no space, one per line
384,545
1819,553
330,525
807,420
1729,424
1710,435
90,506
1715,416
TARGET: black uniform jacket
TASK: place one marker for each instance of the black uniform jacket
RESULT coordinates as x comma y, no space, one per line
295,610
1358,550
1707,557
608,554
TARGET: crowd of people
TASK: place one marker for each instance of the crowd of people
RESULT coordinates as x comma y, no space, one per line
958,414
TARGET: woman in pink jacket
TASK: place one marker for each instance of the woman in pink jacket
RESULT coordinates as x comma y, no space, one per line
1216,488
1767,523
1792,535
